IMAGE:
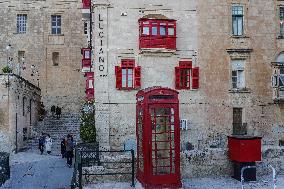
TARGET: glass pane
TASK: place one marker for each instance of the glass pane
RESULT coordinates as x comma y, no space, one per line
234,73
91,84
145,31
162,30
123,80
154,30
237,10
58,30
130,82
53,31
281,13
240,25
235,26
171,31
123,71
162,140
281,80
87,54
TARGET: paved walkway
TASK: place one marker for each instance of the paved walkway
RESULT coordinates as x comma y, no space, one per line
34,171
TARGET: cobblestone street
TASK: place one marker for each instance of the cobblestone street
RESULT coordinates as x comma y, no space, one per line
34,171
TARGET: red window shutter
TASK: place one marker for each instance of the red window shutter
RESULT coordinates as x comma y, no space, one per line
118,74
195,78
177,75
137,79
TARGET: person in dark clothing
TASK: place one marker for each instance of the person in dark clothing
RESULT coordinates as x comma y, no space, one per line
63,148
41,143
69,149
52,109
57,112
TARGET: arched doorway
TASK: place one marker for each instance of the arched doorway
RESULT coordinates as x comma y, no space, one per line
158,137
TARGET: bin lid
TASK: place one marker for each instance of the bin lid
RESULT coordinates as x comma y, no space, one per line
245,137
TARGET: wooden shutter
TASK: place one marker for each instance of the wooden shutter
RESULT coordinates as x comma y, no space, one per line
137,77
195,78
177,75
118,74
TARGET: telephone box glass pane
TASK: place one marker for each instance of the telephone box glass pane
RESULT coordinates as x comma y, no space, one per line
162,140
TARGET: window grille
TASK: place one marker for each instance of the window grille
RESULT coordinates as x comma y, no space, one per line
56,24
237,20
21,23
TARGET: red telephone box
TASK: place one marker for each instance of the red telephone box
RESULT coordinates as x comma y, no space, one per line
158,138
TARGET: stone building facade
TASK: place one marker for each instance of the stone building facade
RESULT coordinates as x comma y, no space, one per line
19,108
233,43
49,35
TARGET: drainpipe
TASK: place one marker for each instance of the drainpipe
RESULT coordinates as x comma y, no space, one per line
274,176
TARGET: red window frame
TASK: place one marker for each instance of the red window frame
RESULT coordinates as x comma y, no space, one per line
186,77
127,65
86,61
157,40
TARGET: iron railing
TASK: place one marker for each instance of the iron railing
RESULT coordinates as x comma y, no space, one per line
85,159
5,167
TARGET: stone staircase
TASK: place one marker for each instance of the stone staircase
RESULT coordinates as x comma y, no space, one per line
69,123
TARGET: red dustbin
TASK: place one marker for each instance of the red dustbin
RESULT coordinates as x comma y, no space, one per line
244,151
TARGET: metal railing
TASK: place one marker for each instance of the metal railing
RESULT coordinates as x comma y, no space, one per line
5,167
85,159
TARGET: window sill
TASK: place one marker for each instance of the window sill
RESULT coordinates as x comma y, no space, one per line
56,34
128,90
20,33
239,36
241,90
157,50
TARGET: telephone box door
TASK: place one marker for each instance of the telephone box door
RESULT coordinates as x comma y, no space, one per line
164,142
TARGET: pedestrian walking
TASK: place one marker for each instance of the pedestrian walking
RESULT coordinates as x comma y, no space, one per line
52,109
48,144
63,147
41,142
57,112
69,149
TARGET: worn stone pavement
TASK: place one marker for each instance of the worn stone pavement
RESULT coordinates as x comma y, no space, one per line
35,171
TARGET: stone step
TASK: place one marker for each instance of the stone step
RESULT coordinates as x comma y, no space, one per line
69,123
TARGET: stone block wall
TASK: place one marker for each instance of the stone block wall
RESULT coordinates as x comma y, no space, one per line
21,105
61,85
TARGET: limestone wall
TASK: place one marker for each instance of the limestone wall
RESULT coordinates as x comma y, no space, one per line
61,85
21,114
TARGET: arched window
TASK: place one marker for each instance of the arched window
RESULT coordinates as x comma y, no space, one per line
157,31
